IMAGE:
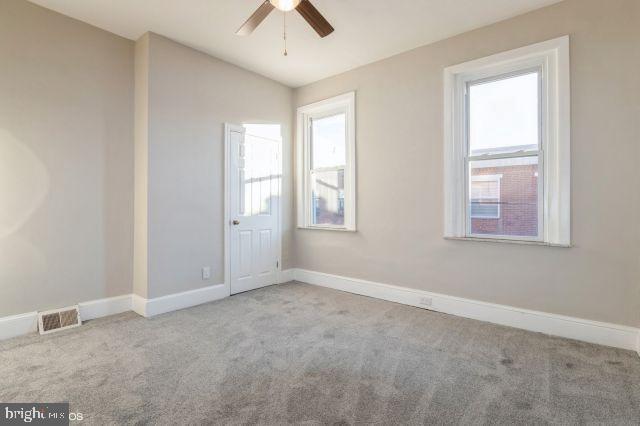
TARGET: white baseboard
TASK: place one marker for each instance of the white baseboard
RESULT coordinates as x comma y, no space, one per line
17,325
172,302
618,336
286,276
105,307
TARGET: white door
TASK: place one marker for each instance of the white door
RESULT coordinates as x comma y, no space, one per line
254,204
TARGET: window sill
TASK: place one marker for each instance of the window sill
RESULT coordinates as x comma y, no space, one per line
509,241
326,228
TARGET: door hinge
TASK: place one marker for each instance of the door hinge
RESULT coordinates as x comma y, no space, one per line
277,264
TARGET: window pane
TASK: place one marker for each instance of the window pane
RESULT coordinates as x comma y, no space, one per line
328,197
328,141
504,115
503,197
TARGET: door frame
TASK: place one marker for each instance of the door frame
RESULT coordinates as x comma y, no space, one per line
228,128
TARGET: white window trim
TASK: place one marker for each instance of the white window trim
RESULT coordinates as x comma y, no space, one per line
488,178
553,56
346,103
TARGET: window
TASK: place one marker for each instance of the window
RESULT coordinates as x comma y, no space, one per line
326,164
507,146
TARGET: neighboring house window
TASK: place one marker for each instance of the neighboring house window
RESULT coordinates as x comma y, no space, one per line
484,197
507,146
326,164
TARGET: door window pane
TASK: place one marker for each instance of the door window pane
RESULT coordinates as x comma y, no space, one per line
328,141
257,189
327,206
503,197
504,115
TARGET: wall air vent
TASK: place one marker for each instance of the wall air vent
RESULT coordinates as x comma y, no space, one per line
58,319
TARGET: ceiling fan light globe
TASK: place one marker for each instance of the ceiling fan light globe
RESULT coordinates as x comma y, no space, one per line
285,5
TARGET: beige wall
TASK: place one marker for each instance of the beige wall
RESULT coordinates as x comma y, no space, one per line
400,173
66,160
191,95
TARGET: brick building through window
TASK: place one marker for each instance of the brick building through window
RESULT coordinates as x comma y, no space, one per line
503,196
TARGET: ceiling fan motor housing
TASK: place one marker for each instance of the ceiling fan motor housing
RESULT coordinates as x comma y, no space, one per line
285,5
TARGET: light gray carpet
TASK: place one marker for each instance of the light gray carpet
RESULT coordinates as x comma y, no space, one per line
295,353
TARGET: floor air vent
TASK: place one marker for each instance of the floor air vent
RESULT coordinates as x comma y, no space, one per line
58,319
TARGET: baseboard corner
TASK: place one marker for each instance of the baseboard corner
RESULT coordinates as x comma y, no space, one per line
286,275
139,305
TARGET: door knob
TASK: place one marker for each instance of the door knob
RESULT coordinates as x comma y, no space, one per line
236,222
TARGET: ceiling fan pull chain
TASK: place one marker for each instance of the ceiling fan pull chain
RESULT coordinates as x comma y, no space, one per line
284,32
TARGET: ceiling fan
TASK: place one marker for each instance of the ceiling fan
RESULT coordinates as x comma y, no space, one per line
304,8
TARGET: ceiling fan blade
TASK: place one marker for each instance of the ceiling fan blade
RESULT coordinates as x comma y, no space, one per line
255,19
314,18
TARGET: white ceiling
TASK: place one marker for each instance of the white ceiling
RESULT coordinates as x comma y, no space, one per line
366,30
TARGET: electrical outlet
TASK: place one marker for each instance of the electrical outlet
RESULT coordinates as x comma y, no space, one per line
206,272
426,301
